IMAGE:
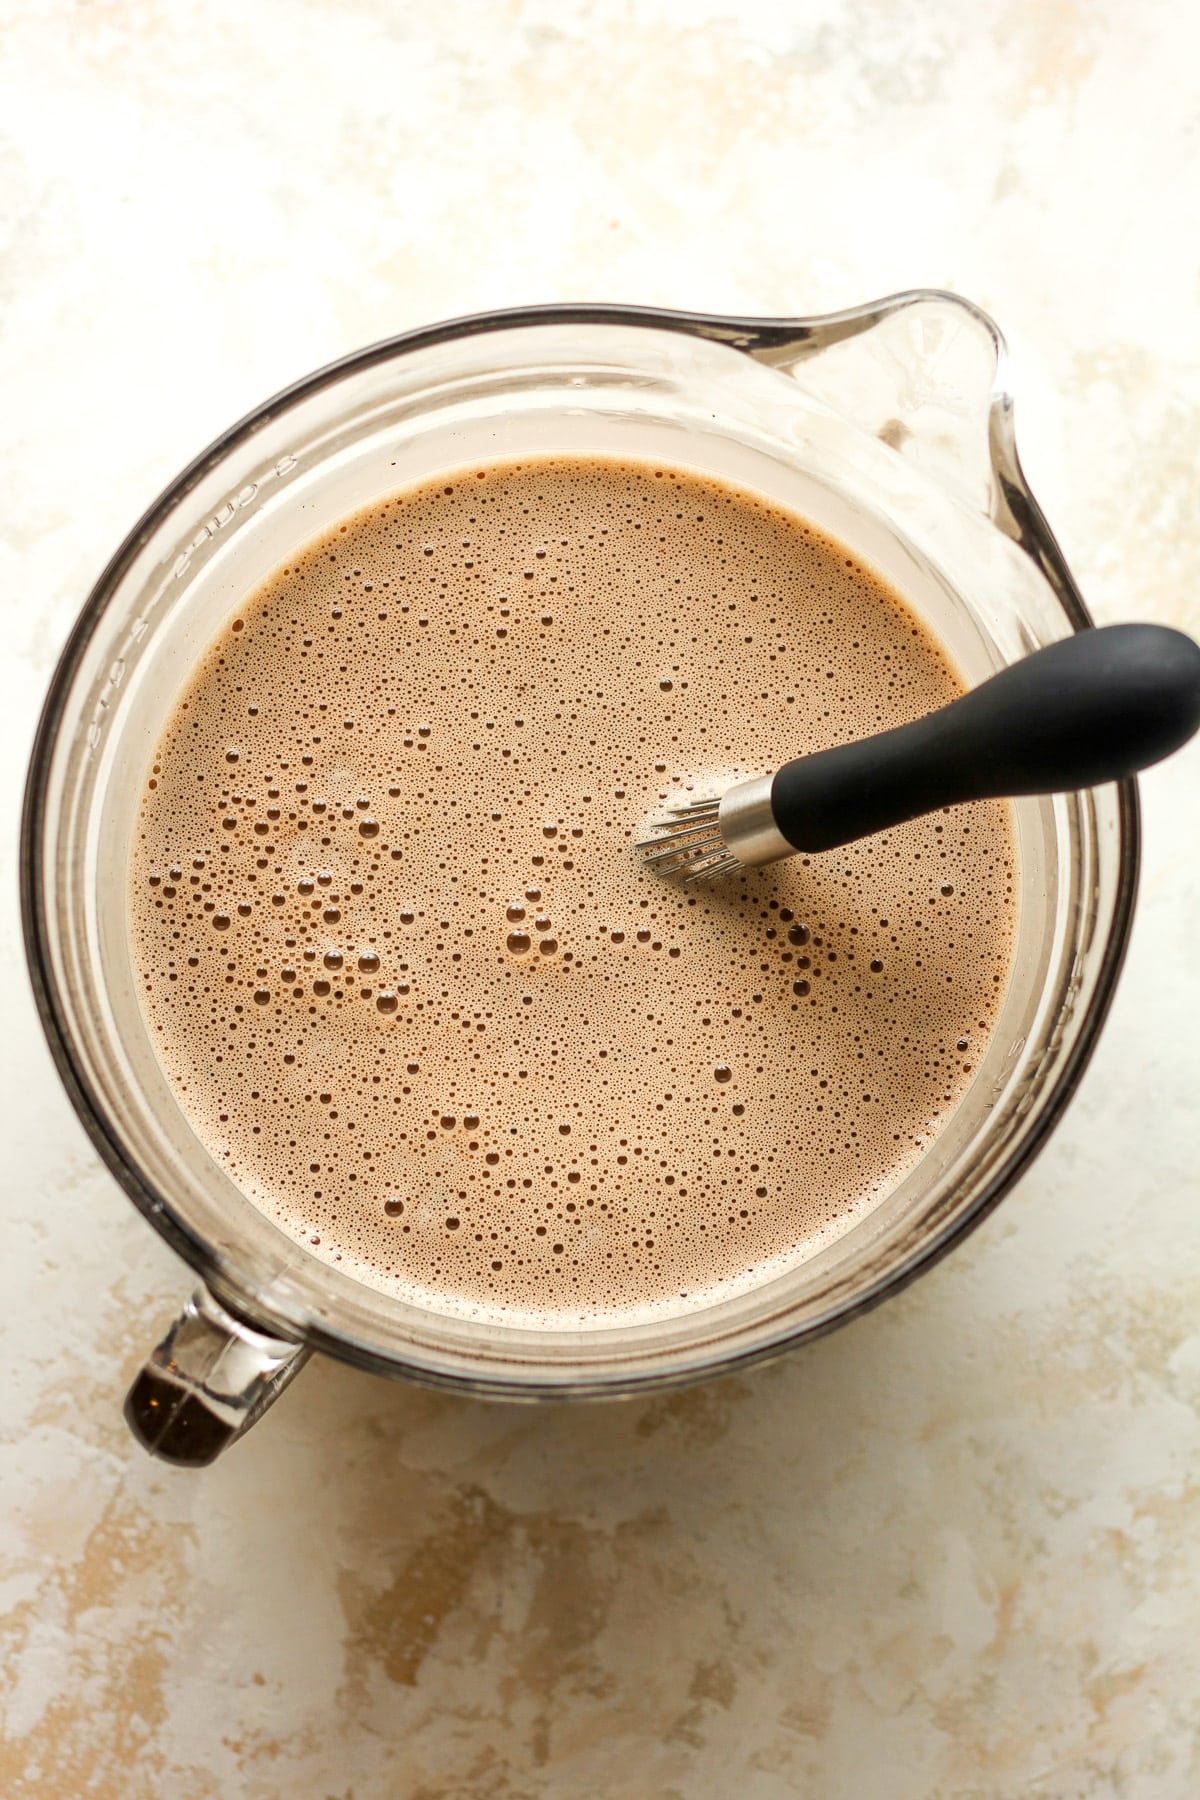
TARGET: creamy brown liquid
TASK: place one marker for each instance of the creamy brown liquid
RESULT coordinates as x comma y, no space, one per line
405,973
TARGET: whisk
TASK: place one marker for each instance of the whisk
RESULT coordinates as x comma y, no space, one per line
1095,707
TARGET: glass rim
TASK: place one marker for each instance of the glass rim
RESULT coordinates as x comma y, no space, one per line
1025,523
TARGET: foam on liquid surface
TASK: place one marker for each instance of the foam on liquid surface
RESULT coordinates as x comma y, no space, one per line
408,979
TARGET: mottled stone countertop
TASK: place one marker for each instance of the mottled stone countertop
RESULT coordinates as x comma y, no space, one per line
953,1550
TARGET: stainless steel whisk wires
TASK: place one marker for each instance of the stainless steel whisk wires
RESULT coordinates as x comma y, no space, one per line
703,837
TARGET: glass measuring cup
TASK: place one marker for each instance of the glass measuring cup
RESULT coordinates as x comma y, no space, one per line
890,426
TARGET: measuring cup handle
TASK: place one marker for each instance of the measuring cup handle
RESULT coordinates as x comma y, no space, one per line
207,1382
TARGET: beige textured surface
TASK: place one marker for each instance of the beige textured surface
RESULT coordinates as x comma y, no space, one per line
953,1551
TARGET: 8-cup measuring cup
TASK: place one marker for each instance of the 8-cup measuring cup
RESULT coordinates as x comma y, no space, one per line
888,425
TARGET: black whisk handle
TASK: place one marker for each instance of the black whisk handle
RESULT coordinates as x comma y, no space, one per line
1096,707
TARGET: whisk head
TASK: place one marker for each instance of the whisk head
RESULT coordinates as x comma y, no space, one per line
701,837
687,841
